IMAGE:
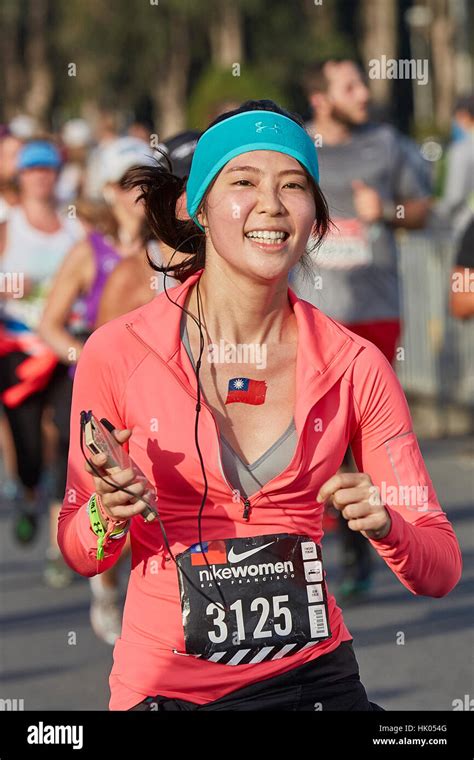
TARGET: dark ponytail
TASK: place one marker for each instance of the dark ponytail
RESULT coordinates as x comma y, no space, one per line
160,190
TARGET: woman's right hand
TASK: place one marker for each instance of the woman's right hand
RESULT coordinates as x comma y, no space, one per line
117,504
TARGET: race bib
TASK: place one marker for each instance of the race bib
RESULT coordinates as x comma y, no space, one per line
274,587
346,247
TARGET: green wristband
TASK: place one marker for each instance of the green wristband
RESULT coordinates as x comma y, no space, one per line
97,525
102,531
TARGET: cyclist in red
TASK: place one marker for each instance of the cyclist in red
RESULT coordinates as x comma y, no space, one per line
238,401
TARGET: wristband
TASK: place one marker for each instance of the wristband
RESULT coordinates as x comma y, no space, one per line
101,530
115,536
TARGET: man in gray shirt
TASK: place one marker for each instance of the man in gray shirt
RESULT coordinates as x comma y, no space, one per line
371,187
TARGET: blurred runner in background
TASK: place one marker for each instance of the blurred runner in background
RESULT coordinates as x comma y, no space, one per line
372,188
131,284
76,136
455,209
9,148
70,317
33,242
462,277
456,206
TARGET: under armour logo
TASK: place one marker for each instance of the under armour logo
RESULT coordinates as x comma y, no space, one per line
260,126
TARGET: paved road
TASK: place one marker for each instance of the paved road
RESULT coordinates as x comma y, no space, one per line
40,665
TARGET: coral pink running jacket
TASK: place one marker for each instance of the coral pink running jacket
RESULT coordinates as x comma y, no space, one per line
135,371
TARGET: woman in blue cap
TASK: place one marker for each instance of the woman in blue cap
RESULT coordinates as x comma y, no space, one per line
33,242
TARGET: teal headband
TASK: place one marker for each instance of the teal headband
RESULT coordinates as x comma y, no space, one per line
250,130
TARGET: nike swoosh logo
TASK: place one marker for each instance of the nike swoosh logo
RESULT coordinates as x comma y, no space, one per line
233,557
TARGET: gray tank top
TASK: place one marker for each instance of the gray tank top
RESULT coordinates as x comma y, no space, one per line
249,478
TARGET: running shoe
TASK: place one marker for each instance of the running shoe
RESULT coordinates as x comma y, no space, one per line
25,526
56,573
105,612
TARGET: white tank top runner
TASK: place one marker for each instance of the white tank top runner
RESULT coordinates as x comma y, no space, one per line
35,256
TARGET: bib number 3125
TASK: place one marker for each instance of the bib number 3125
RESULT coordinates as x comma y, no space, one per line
260,604
275,591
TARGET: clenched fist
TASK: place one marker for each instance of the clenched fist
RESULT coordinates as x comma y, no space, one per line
354,494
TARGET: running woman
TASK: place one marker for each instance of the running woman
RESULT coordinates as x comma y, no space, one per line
33,242
70,317
228,604
132,283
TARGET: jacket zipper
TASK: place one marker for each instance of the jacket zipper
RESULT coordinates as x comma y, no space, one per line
246,502
247,508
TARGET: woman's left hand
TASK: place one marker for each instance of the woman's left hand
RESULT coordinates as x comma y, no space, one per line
354,494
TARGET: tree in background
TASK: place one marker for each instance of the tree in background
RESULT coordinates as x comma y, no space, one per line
62,59
28,78
379,26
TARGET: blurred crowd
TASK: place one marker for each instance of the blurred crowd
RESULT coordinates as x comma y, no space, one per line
73,255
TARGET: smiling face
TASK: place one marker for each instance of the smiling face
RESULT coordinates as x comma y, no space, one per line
259,214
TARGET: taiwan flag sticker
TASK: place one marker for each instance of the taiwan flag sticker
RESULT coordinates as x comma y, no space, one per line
246,391
215,551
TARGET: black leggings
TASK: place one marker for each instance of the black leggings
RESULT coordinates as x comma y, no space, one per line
25,422
329,682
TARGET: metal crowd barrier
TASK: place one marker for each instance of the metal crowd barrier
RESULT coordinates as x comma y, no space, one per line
438,358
